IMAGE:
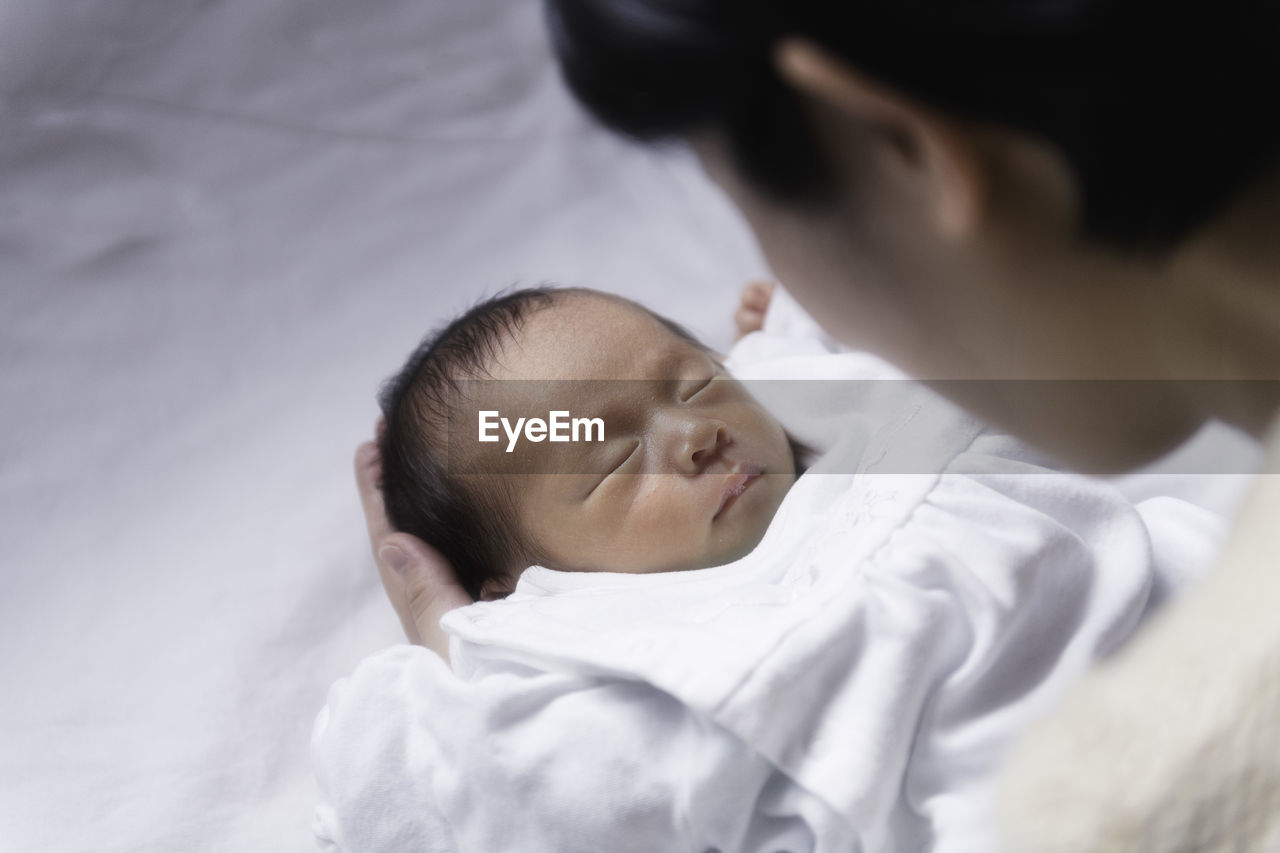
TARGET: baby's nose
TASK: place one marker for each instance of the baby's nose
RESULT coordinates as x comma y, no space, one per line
699,441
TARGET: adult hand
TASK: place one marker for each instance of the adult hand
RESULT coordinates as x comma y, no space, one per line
420,582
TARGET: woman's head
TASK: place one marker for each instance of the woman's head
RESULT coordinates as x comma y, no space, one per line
687,473
978,190
1157,123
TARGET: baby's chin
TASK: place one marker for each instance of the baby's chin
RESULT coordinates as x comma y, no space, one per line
717,554
731,540
744,533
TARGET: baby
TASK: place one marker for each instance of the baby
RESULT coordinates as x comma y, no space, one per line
704,651
688,473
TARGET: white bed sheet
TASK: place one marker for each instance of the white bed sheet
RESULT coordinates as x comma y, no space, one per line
222,224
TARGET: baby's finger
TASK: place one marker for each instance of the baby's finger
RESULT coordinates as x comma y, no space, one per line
757,295
748,321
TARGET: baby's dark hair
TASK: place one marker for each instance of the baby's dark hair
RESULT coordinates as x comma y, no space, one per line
469,519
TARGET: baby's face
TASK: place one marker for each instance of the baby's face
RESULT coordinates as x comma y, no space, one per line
691,469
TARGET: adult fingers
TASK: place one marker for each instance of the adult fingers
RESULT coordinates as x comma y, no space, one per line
429,586
368,467
368,470
419,582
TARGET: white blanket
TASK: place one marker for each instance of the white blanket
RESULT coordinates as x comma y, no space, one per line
222,224
850,685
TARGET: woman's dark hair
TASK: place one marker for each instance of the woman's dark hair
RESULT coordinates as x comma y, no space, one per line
1163,112
465,514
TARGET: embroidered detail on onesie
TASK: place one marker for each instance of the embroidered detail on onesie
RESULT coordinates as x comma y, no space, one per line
871,508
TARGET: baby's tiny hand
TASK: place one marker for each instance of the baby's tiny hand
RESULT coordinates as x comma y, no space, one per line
756,296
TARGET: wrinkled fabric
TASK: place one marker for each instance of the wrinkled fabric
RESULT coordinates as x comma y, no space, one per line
851,684
223,224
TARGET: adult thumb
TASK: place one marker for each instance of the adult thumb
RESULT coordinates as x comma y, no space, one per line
430,588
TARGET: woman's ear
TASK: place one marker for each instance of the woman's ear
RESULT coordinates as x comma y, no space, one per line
929,148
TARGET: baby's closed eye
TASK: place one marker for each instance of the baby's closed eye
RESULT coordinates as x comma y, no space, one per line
692,387
619,461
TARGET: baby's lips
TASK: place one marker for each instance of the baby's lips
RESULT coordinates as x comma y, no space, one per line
743,476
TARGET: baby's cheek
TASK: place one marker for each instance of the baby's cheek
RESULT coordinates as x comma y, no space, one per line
665,504
652,505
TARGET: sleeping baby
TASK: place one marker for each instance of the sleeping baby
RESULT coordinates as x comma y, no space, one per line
677,468
687,644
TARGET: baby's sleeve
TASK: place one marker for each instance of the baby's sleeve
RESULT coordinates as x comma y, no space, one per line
409,757
363,753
